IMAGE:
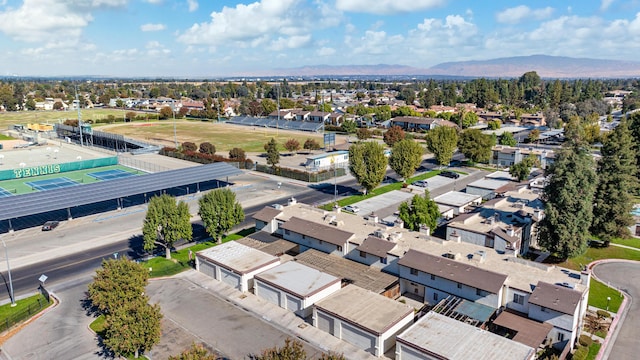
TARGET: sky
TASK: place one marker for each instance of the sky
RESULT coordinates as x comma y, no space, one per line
209,38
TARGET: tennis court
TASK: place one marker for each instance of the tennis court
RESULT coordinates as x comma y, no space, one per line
110,174
49,184
5,193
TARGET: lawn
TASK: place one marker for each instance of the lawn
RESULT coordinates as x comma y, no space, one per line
379,190
160,266
5,137
598,293
593,351
98,325
633,242
23,117
24,309
223,136
594,253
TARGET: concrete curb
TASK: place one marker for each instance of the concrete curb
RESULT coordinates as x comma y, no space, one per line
618,320
16,328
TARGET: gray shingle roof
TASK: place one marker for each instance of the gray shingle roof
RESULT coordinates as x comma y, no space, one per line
555,297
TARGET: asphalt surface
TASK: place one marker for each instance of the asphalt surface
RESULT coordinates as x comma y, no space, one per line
624,276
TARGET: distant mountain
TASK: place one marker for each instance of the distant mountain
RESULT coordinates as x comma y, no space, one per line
544,65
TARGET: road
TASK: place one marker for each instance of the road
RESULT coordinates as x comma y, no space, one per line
624,275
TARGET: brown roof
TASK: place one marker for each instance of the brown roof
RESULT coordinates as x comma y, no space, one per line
267,214
268,243
376,246
454,270
413,120
328,233
528,332
555,297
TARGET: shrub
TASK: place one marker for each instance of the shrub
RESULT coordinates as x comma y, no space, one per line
189,146
585,340
311,144
237,154
207,148
581,353
377,132
603,314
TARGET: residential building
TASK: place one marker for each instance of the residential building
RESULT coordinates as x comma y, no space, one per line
413,123
460,202
506,156
328,161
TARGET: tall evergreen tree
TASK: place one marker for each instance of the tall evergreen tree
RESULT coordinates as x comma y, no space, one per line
273,156
616,180
569,197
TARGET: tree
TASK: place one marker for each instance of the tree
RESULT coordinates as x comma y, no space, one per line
616,181
568,196
166,113
195,352
422,211
534,135
522,169
57,105
165,223
475,145
442,142
30,104
494,124
273,156
349,126
364,134
117,282
130,115
268,106
189,146
507,139
220,212
405,158
292,350
469,118
133,327
207,148
367,164
634,126
393,135
292,145
237,154
311,144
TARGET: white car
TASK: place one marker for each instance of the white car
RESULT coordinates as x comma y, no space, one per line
351,208
421,183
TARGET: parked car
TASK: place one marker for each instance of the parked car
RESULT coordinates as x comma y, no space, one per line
450,174
50,225
351,208
420,183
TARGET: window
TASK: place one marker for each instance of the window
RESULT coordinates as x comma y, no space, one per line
479,292
304,237
435,296
414,271
560,336
320,242
339,248
459,286
363,254
518,299
287,232
433,277
543,309
383,260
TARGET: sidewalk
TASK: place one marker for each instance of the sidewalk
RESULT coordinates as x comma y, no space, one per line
276,316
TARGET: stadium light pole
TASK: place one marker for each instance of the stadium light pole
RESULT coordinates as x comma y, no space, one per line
6,254
175,133
79,117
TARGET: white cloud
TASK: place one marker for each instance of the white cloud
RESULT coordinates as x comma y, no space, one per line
154,48
376,43
521,13
386,7
325,51
153,27
283,23
63,19
193,5
604,4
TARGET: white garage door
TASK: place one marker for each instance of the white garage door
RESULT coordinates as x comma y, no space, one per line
293,303
325,323
359,338
230,278
407,353
268,293
208,269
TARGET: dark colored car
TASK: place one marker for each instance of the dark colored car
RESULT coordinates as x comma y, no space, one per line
50,225
450,174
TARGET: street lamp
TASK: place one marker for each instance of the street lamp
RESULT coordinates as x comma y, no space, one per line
6,254
608,299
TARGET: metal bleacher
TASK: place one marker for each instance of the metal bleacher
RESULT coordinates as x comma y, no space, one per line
276,124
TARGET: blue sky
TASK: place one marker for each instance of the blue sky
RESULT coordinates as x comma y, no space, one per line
196,38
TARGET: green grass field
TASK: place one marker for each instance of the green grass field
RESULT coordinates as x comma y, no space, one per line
21,310
18,186
5,137
25,117
224,136
598,294
592,254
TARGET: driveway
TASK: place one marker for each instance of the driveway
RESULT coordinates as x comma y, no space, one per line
624,275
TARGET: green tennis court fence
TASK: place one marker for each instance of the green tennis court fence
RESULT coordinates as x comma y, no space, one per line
49,169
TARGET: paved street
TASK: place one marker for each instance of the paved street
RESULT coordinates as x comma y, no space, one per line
624,275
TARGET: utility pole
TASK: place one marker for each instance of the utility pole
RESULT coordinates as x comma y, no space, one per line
79,118
6,254
175,134
218,105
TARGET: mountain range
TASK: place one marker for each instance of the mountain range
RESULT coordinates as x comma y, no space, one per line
546,66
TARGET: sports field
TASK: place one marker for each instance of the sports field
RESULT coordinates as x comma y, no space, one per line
47,182
9,118
224,136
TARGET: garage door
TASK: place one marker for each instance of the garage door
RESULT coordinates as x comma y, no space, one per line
293,303
208,269
358,338
230,278
325,323
268,293
407,353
